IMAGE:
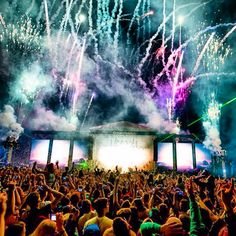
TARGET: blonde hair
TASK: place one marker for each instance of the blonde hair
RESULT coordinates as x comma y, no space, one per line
45,228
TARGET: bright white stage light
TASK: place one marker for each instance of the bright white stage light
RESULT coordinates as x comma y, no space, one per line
123,156
184,156
165,154
60,152
39,151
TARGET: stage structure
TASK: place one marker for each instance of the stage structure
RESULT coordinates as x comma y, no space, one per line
122,144
65,147
181,152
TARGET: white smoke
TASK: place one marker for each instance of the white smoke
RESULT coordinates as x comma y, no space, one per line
154,118
212,140
47,120
8,124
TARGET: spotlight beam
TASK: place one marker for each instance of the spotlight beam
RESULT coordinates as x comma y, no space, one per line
225,104
228,102
200,118
195,136
195,121
169,136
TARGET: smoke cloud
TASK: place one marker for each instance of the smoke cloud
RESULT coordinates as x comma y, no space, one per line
212,140
8,123
47,120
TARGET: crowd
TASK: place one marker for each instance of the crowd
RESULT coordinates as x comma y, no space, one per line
71,202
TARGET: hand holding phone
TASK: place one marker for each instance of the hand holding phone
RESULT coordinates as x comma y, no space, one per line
53,217
40,188
64,178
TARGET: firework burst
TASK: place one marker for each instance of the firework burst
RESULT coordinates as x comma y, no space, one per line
82,47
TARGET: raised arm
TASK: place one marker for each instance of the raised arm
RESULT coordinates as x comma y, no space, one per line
57,196
35,170
60,225
115,191
212,216
196,224
11,198
230,216
3,208
150,228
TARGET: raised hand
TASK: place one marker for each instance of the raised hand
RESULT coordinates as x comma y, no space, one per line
227,194
3,203
189,187
59,222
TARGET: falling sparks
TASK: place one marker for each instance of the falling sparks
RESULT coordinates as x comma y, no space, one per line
22,35
211,125
80,45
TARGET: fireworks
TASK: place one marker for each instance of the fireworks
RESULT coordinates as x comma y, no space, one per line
213,112
21,36
85,46
211,125
30,84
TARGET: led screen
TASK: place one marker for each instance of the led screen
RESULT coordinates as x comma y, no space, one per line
39,150
203,156
165,155
80,151
184,156
60,152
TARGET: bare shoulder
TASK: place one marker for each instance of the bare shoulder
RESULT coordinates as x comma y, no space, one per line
109,232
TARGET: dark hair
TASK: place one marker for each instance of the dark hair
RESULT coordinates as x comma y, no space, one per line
205,173
74,199
185,219
63,189
96,194
15,229
184,205
139,204
33,199
50,167
164,212
86,206
154,215
208,203
146,197
206,218
100,204
134,220
120,227
65,201
124,213
125,204
180,180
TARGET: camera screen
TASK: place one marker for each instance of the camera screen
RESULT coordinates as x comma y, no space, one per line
53,217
